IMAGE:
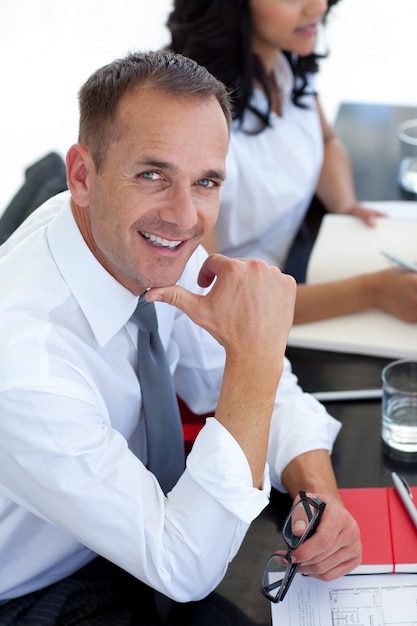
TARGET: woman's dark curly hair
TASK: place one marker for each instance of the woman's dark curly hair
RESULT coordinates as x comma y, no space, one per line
218,35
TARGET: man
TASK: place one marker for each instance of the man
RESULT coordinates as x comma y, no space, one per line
144,184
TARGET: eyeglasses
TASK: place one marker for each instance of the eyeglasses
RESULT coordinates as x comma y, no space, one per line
277,577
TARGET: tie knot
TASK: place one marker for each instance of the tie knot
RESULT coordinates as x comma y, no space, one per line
145,316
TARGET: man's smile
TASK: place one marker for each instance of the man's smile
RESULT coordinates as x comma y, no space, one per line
158,241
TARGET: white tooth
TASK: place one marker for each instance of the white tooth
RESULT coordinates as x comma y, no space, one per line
161,242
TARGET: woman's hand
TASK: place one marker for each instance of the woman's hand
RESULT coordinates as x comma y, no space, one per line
368,216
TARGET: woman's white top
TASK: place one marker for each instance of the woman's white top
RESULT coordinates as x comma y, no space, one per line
271,176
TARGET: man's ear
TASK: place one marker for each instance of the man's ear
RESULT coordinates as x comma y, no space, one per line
80,169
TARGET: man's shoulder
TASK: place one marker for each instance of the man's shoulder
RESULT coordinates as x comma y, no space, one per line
39,219
28,274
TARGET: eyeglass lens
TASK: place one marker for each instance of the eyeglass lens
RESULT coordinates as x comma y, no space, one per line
278,574
299,517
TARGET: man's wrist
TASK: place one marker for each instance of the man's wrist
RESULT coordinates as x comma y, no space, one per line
311,471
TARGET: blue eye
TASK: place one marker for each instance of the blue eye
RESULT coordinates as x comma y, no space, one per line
205,182
149,175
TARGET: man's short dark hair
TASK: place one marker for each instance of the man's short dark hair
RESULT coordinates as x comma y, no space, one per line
165,71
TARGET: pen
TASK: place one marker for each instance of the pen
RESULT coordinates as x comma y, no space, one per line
405,265
406,496
352,394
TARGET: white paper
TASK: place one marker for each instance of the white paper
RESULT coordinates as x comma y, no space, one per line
364,600
346,247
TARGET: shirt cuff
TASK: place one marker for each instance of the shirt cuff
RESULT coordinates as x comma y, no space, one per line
219,466
298,427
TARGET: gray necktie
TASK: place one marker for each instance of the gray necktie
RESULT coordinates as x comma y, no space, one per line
162,417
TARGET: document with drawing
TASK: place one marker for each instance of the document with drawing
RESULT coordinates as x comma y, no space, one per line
382,591
376,599
346,247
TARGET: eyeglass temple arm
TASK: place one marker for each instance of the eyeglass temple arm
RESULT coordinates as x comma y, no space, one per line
286,583
294,568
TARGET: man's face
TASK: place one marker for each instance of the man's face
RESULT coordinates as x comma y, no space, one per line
158,192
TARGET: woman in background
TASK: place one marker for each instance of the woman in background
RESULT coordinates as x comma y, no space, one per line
282,150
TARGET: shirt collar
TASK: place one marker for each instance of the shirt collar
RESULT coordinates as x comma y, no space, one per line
104,301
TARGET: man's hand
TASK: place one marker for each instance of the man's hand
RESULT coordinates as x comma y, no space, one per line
335,548
249,308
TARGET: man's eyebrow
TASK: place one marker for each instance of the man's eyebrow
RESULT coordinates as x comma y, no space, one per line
218,174
151,162
166,165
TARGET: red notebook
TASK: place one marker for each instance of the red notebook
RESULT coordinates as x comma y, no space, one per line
389,537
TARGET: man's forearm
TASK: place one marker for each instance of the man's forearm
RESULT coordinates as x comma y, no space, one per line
311,471
245,408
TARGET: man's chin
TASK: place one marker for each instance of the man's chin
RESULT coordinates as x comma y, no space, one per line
164,281
165,272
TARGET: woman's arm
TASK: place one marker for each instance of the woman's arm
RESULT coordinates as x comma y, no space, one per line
391,290
335,188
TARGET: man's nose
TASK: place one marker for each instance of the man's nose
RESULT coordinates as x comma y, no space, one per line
180,209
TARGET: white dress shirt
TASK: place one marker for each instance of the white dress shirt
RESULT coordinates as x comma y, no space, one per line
271,177
73,481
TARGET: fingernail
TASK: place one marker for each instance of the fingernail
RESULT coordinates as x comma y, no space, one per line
299,525
154,296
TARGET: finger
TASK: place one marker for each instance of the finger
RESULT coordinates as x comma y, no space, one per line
368,216
324,564
177,296
193,305
211,267
327,547
299,521
370,220
331,569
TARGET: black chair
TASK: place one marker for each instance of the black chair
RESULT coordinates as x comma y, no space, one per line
43,179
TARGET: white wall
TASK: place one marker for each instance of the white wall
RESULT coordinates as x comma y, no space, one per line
49,47
373,54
